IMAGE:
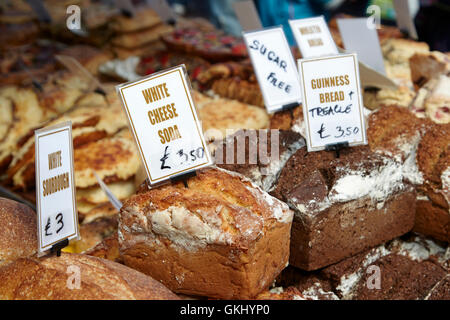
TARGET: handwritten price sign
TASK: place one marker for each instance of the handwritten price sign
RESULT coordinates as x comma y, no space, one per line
274,67
165,125
332,101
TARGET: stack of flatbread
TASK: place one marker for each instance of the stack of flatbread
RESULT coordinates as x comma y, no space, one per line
102,144
139,34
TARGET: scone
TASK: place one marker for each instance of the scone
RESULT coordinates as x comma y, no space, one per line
220,237
344,205
433,99
375,98
222,117
93,233
396,53
408,268
137,39
89,124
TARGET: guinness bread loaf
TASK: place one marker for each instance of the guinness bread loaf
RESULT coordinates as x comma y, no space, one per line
258,154
221,237
343,205
77,277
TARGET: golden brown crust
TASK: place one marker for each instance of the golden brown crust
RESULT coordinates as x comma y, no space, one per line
284,120
425,66
390,127
109,157
217,271
18,235
242,70
50,278
240,211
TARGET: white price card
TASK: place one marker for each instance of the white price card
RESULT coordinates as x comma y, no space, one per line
332,103
274,67
164,121
359,35
55,186
313,37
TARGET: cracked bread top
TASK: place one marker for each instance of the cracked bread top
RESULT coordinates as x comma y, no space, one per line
311,182
218,207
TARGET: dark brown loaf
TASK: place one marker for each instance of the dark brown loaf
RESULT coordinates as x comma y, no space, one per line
409,268
425,66
49,278
18,231
344,205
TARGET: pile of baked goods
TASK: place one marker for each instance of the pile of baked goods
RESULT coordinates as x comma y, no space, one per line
277,223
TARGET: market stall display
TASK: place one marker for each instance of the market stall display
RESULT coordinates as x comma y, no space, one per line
269,220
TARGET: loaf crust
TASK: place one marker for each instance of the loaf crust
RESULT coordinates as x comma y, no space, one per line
433,158
343,205
221,237
18,235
